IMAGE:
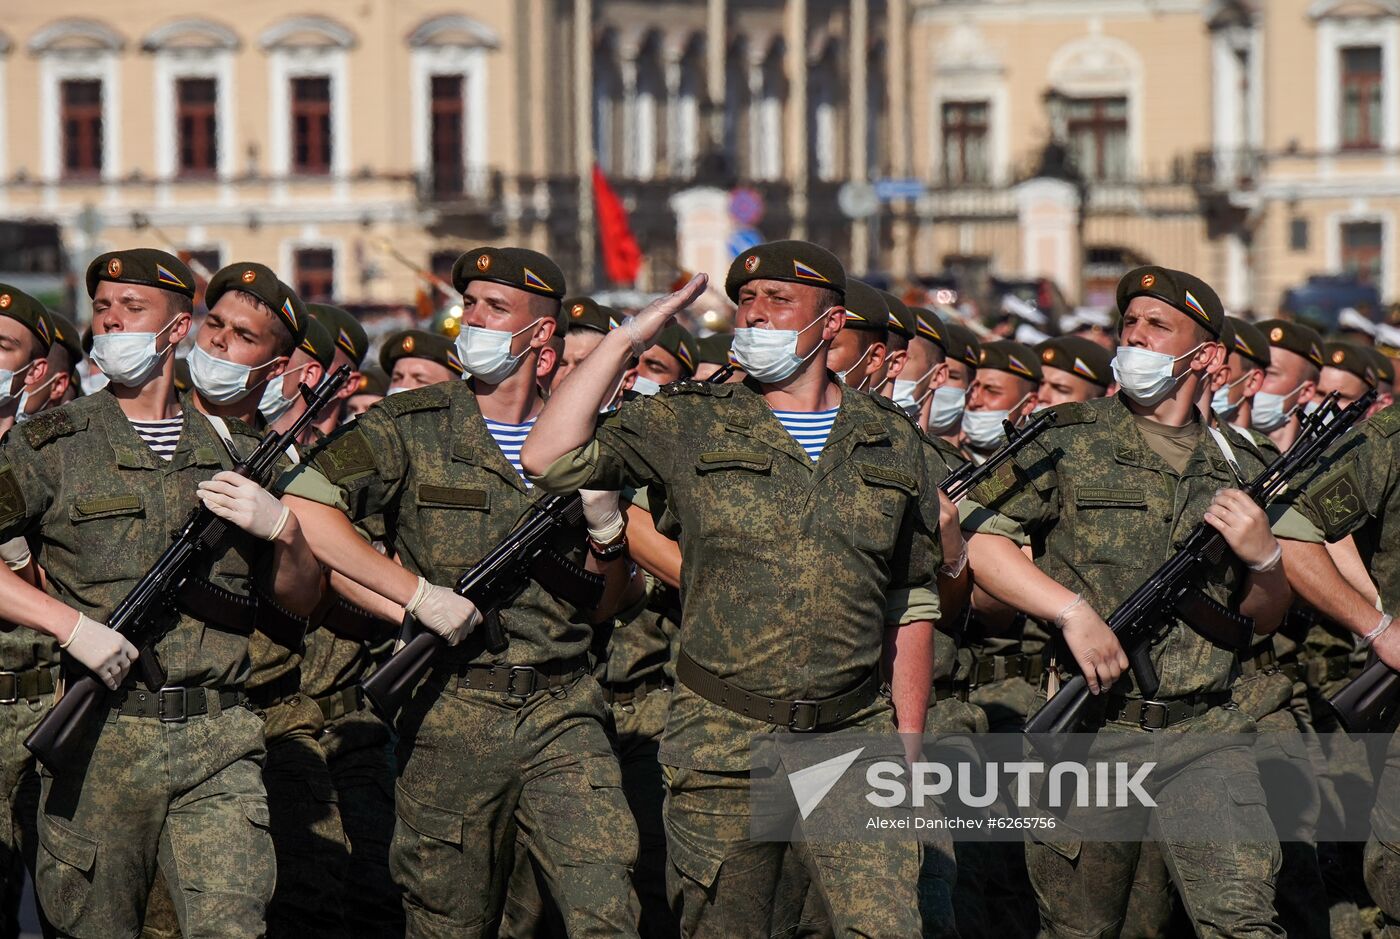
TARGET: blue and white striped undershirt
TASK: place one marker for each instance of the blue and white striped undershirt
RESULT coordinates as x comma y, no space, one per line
808,428
510,438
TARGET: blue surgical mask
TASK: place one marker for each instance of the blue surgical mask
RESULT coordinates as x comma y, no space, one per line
486,354
126,358
770,355
904,391
219,380
1269,413
945,412
986,430
1220,401
644,386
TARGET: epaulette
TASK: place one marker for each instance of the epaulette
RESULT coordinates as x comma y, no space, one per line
1076,412
427,398
889,405
694,386
1387,422
49,426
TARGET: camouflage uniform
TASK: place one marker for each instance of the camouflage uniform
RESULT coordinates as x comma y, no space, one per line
187,795
1104,510
790,572
477,765
1353,494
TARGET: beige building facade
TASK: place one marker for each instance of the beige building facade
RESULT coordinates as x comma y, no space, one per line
348,144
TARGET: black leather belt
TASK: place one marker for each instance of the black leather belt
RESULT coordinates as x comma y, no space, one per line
175,705
795,714
278,690
990,668
1159,715
29,685
629,692
942,690
340,703
521,681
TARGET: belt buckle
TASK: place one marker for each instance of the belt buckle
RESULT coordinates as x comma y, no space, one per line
168,694
510,681
1145,719
10,680
802,727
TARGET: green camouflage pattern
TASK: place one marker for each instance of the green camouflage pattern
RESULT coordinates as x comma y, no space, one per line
636,729
19,798
828,551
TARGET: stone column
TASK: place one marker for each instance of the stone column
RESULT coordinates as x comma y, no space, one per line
584,157
795,39
1047,211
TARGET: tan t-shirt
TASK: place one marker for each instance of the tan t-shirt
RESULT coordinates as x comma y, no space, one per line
1173,444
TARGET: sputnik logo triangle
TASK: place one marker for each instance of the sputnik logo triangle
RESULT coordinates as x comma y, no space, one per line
811,785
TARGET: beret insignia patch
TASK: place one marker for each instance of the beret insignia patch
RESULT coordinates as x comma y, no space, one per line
483,263
345,342
1314,352
454,362
290,312
1048,355
533,280
751,263
1195,305
5,301
249,276
1084,370
1338,356
1018,366
1275,334
807,273
407,344
164,275
1149,279
576,311
114,267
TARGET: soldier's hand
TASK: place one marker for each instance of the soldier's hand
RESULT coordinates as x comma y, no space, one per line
104,651
1093,645
1245,527
643,328
443,611
1387,647
242,502
602,511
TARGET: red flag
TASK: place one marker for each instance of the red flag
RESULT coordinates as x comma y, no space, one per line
622,258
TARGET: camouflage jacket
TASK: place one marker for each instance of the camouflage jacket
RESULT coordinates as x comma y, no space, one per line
99,506
423,464
1102,512
23,649
642,644
790,569
942,458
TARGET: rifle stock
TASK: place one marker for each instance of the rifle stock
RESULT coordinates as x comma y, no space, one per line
66,723
1364,701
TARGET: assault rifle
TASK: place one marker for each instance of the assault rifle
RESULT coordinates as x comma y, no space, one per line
1174,587
136,616
1365,701
968,477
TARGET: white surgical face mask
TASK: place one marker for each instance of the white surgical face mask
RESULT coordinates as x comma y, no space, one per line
1220,401
274,403
219,380
644,386
1269,413
945,413
842,375
985,430
128,358
7,382
1145,376
485,353
24,396
770,355
394,389
904,391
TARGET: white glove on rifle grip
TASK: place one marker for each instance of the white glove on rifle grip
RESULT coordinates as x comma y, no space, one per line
103,650
443,611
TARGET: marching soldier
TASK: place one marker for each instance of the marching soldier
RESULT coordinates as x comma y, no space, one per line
1072,369
416,358
588,322
763,647
944,413
858,352
368,391
1290,381
351,343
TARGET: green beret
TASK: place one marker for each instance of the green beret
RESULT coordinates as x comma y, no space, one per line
1295,337
28,312
1385,366
865,308
148,267
587,313
714,349
345,330
962,344
797,262
515,267
1349,357
901,321
1187,292
258,280
678,341
419,344
66,334
1247,340
373,381
183,382
1012,358
317,342
928,325
1078,356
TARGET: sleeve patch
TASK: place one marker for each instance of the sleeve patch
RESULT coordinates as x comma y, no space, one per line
346,458
11,498
47,426
1004,479
1336,497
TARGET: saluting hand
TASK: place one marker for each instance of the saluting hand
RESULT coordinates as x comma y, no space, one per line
1245,527
643,328
104,651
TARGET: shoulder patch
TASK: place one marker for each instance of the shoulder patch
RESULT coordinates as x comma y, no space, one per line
427,398
691,386
1387,422
48,427
1004,479
1076,412
347,457
11,498
1336,497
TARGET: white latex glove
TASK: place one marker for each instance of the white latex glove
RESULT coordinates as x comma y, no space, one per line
1092,643
244,503
602,510
104,651
443,611
643,328
15,553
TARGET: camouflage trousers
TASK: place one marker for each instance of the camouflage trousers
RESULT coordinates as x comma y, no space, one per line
357,753
1382,857
19,810
185,797
476,768
1227,887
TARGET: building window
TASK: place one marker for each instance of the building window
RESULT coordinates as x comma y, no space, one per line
965,141
1097,130
1298,234
82,127
1361,98
1361,251
447,134
197,125
315,273
442,262
311,125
